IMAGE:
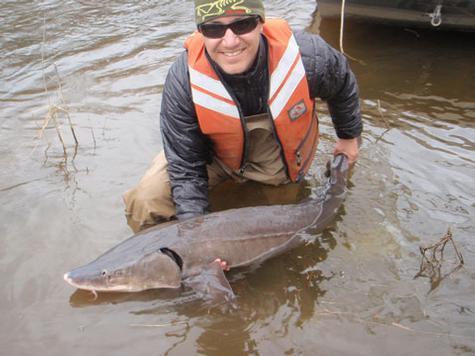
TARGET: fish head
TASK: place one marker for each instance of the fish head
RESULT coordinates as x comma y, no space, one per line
157,269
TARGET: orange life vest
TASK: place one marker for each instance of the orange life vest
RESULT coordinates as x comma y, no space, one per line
289,102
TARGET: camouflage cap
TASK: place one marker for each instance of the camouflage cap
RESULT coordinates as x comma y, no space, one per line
206,10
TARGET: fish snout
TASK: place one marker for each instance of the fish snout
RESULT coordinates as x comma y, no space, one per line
67,278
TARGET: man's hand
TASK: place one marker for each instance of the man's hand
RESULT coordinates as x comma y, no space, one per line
349,147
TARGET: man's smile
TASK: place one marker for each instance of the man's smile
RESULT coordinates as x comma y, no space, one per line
233,53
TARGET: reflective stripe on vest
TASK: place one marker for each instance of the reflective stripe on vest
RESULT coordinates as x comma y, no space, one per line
285,78
289,102
211,94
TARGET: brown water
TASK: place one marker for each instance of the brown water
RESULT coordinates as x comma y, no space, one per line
352,292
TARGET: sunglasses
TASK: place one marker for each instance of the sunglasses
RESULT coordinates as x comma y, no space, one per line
240,27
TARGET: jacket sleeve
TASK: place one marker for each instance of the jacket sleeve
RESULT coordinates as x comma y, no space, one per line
186,148
331,79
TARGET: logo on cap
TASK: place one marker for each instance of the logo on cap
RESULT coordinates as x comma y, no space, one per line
220,8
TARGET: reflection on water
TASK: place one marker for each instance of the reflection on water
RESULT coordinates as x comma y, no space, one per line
350,292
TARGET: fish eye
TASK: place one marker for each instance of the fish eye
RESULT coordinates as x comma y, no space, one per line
104,272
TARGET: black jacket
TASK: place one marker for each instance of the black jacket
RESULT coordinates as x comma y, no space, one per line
188,151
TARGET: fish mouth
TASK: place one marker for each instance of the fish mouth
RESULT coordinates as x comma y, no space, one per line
78,285
70,281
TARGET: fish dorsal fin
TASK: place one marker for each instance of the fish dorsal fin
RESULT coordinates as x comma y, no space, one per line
211,284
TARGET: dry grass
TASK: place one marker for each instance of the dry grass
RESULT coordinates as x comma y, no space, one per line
433,259
57,112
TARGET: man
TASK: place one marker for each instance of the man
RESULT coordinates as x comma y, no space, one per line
239,104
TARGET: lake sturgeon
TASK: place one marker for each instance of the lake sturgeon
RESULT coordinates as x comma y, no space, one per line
188,252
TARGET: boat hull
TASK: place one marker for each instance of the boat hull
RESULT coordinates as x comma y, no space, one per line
437,14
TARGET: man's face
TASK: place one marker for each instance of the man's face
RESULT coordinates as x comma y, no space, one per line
233,53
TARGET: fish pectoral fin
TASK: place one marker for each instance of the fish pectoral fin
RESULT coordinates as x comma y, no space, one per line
212,284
